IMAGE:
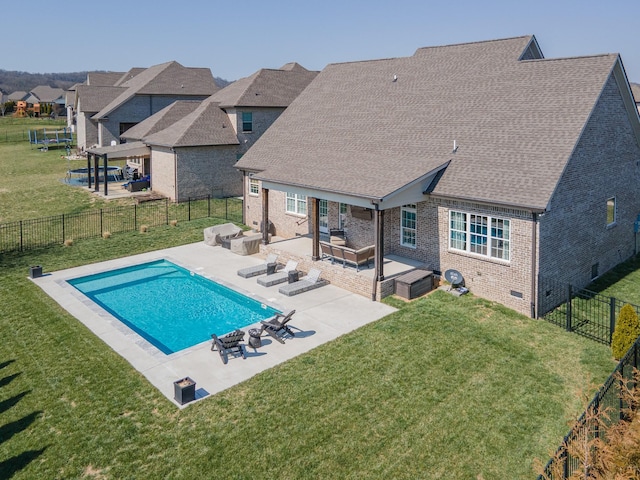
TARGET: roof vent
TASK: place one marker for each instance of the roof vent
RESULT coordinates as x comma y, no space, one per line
455,147
395,78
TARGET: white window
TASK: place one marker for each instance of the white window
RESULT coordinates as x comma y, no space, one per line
408,221
343,216
611,211
296,203
254,187
480,234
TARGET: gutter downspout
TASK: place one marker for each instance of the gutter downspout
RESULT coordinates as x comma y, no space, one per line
534,269
378,258
175,173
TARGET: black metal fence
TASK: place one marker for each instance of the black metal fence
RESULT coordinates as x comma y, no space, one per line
579,310
55,230
563,464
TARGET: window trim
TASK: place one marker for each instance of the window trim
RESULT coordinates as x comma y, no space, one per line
247,122
299,200
409,208
490,224
254,183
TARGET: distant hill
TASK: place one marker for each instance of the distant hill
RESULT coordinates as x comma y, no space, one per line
12,81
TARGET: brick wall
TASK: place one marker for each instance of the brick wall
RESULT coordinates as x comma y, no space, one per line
574,235
163,179
207,170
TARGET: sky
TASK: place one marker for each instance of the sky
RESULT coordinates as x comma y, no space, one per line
236,38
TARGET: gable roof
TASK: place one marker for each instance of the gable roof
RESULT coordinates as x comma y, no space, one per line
91,99
635,90
266,87
47,94
169,78
206,125
370,128
17,95
162,119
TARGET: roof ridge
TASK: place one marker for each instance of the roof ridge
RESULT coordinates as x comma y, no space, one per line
574,57
477,42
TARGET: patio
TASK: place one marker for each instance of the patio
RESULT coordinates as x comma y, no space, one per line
321,316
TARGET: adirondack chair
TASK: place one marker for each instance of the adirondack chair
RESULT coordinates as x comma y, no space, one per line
228,344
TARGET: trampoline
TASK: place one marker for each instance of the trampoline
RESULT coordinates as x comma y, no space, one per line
78,176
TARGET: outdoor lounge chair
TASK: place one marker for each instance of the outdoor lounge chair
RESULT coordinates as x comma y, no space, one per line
276,326
229,343
278,277
258,269
309,282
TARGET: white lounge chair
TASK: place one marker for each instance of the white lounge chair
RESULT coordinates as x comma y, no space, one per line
278,277
258,269
309,282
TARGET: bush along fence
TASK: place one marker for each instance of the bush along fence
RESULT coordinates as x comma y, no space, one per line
606,408
55,230
579,310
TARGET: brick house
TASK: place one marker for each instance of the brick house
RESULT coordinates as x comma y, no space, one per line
483,157
195,145
104,111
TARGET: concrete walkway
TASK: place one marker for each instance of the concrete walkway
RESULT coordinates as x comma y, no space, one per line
321,315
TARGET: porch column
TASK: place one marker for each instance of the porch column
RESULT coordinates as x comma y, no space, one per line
89,170
315,223
379,244
105,174
96,164
265,216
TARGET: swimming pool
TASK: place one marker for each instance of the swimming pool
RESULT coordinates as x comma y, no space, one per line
169,306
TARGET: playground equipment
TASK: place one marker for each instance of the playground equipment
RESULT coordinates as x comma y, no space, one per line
21,109
45,138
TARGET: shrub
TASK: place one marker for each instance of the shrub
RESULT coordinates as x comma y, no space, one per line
173,223
626,332
144,228
68,242
106,234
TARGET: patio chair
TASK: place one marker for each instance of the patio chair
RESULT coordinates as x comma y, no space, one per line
228,344
278,277
309,282
276,326
258,269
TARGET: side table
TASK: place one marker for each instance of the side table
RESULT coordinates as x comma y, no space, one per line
254,338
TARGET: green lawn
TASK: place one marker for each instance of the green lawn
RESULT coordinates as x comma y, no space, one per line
445,388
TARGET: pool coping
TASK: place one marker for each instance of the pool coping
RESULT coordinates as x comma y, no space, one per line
321,315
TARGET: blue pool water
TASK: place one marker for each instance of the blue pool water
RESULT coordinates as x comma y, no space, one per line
169,306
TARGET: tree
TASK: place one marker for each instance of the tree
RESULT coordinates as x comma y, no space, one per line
626,332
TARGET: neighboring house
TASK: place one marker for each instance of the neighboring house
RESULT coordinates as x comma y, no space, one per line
49,95
104,112
194,146
17,96
481,157
635,89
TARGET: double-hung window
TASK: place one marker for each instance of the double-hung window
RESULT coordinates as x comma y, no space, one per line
408,224
480,234
247,121
254,187
296,203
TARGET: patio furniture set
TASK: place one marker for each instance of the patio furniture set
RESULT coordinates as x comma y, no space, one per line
231,343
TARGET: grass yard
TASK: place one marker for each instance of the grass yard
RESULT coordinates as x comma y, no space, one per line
444,388
32,182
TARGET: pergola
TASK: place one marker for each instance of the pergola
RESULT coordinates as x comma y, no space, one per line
123,150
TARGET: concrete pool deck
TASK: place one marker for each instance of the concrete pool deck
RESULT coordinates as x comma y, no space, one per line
321,315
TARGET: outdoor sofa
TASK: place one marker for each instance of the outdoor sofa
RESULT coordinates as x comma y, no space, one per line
348,255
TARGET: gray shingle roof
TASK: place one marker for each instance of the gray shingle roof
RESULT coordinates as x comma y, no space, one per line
17,95
161,120
93,99
103,79
169,78
370,128
206,125
266,87
635,90
47,94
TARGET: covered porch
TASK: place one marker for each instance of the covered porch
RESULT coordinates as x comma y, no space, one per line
362,281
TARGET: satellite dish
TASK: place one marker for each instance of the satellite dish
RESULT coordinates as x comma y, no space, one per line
454,277
113,143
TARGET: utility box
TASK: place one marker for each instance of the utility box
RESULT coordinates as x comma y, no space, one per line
414,284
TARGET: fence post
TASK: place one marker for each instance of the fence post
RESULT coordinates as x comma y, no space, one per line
208,206
21,236
612,318
101,228
166,211
569,307
63,231
135,216
189,209
226,208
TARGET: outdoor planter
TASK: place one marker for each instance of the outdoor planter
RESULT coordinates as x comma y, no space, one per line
184,390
